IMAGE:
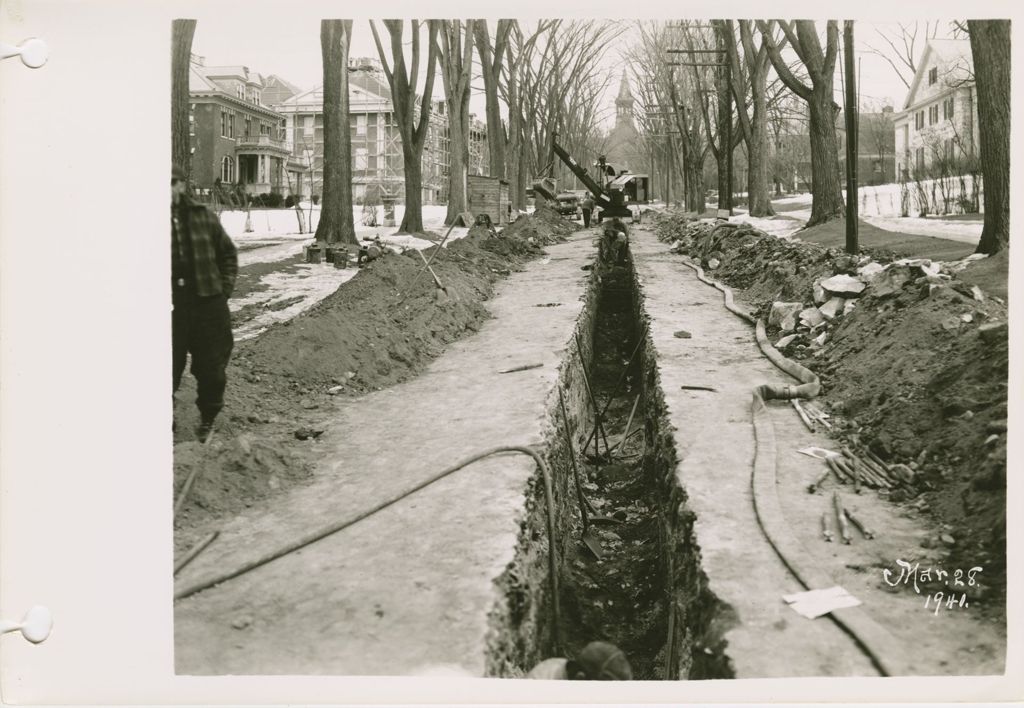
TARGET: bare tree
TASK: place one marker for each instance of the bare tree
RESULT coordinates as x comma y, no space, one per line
335,224
413,131
990,49
677,96
182,32
456,69
694,36
491,58
902,43
826,190
757,62
552,79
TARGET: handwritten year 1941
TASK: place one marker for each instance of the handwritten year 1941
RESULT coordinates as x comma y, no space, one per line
949,599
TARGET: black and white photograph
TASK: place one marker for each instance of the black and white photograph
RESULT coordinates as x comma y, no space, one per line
512,348
590,349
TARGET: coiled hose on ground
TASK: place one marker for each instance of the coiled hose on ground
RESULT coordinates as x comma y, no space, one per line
876,642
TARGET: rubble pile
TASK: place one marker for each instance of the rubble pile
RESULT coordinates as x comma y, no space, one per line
913,363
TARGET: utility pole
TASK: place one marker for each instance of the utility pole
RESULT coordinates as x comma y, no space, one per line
720,60
725,112
668,171
852,120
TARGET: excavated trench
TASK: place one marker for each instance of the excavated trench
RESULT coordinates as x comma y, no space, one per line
638,582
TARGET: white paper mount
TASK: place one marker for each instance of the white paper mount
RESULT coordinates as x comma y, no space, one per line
33,52
35,626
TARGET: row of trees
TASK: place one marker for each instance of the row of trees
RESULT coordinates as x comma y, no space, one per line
681,79
545,78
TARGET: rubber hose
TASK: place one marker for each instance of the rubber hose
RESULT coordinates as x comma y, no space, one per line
319,534
875,641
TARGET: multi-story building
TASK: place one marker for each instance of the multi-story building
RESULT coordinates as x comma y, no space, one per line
377,162
938,125
875,146
235,138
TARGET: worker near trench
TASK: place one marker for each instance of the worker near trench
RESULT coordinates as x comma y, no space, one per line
204,265
614,242
599,661
587,206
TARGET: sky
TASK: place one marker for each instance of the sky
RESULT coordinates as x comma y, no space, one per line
291,49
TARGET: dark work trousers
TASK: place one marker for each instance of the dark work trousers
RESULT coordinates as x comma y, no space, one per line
586,218
201,327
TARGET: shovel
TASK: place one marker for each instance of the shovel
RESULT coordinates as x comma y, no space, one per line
589,538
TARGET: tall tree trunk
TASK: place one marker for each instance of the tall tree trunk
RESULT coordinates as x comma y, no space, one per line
514,156
456,71
695,199
412,219
336,225
413,130
990,48
490,69
458,166
758,201
182,32
826,190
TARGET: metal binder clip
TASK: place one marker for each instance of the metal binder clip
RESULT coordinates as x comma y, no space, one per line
35,626
33,52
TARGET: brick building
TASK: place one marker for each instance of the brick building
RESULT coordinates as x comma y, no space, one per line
377,167
235,138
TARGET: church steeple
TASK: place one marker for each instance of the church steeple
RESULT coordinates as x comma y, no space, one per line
624,102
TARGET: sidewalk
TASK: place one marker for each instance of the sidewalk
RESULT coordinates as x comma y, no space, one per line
715,442
411,586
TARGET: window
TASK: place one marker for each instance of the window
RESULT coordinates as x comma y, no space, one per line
947,148
223,124
919,120
248,126
264,129
933,75
231,125
361,124
933,114
240,91
307,126
360,158
919,161
947,109
227,170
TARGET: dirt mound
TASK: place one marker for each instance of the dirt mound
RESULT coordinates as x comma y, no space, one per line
379,328
544,225
915,369
232,473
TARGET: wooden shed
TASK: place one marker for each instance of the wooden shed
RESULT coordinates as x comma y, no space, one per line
489,195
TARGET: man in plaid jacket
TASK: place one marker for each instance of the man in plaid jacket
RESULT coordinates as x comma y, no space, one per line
204,265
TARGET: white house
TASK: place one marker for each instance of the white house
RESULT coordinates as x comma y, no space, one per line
938,125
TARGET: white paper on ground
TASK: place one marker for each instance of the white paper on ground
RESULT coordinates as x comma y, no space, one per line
819,452
815,603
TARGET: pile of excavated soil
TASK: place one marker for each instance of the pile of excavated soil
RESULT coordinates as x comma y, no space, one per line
380,328
544,226
917,375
